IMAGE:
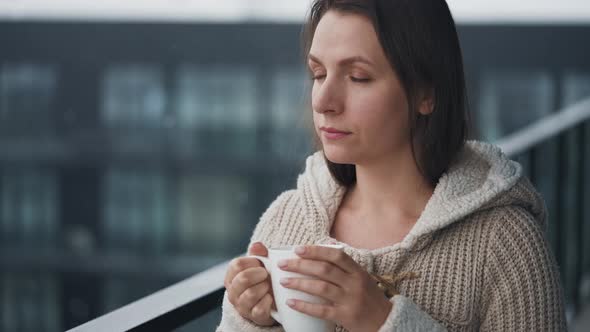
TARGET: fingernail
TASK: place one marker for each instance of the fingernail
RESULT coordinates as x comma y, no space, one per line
282,263
290,302
300,250
284,281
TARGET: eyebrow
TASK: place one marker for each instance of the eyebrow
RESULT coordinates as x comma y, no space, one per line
346,61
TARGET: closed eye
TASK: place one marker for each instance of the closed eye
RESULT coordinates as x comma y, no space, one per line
359,80
318,77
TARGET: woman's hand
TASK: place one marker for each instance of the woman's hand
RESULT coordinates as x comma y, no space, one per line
248,287
354,300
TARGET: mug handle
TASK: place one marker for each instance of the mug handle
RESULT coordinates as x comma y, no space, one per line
266,262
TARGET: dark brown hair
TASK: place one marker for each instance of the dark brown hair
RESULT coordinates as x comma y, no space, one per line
421,43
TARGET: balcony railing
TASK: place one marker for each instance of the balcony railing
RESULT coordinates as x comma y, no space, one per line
167,309
566,131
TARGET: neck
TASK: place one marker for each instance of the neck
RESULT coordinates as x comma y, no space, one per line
390,188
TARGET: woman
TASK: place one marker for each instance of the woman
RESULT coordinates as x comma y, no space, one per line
451,229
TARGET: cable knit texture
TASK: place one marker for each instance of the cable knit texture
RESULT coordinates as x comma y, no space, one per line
478,249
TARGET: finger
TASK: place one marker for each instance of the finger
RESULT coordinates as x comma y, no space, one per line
238,265
323,289
261,311
245,280
258,249
319,269
335,256
251,296
323,311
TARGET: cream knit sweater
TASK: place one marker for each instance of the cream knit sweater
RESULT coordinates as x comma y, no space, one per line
478,249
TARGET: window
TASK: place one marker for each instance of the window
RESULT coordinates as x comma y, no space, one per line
219,101
133,96
213,213
28,207
138,211
29,302
27,94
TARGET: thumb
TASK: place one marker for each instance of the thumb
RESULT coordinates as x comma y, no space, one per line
257,248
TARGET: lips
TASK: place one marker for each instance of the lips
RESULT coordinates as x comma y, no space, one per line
331,130
333,133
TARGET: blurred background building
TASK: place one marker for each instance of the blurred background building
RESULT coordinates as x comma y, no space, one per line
141,141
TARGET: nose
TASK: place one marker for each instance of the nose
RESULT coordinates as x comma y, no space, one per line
327,96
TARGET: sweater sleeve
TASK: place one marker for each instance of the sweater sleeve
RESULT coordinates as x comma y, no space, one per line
521,282
231,320
405,315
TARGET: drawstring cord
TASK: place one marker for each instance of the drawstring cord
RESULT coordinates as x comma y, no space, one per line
389,283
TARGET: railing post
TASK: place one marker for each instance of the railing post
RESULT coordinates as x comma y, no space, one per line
579,218
559,210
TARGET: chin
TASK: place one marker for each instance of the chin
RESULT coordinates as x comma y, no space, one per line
339,155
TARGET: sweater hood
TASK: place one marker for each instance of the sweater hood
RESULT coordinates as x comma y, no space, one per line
481,178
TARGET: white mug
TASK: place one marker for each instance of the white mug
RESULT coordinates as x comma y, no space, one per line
292,320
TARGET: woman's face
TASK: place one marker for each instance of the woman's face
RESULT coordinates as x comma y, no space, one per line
355,91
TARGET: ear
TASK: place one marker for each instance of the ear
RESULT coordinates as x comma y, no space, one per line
427,101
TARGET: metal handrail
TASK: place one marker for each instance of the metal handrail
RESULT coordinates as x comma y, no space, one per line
166,309
545,128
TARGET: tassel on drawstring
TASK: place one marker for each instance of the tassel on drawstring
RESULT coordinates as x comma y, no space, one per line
389,283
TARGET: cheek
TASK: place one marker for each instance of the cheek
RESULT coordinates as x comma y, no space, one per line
384,124
316,121
382,113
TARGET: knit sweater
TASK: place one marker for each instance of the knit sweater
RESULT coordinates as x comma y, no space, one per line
478,252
